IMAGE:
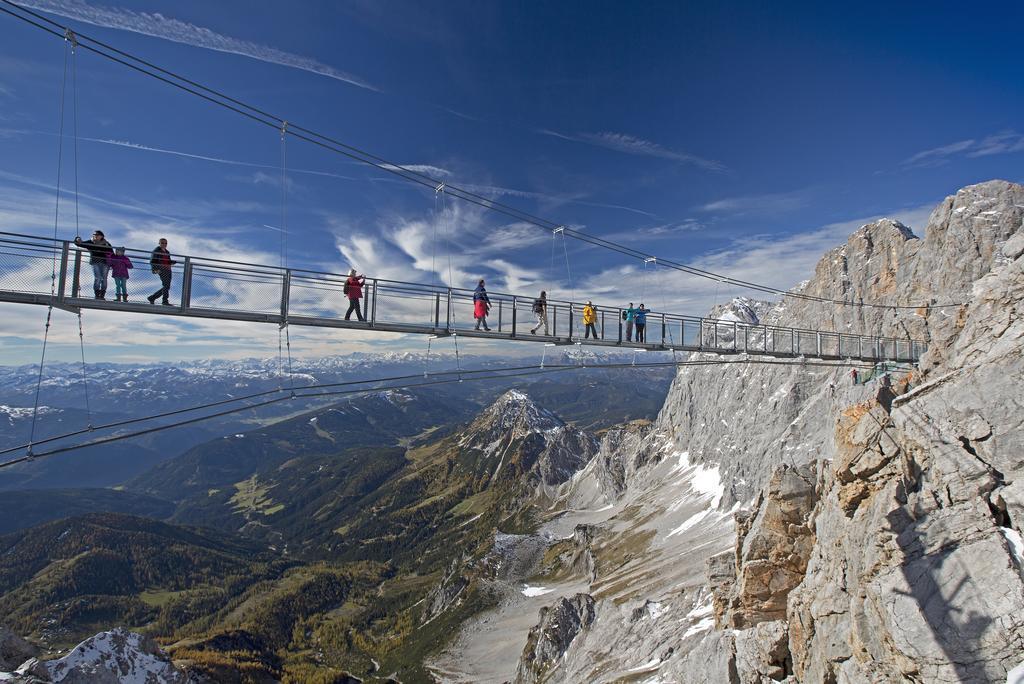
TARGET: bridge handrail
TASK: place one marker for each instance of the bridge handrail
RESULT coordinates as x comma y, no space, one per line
282,277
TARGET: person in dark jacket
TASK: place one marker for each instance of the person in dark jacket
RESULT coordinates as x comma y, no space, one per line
119,265
481,305
160,262
540,311
99,258
354,292
640,319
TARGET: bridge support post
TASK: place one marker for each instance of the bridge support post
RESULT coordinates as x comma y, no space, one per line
437,310
373,307
515,307
500,303
186,285
817,344
735,334
554,320
619,317
570,321
448,315
75,277
746,338
62,283
286,284
663,330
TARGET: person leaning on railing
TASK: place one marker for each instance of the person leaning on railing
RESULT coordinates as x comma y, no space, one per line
160,262
99,258
590,319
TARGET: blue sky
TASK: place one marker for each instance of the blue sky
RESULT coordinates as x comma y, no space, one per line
744,137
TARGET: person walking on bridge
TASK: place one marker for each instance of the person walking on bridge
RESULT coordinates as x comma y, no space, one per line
629,315
354,291
160,262
481,305
640,316
119,265
99,258
590,320
540,310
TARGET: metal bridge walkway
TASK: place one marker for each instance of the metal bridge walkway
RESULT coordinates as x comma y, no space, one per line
222,290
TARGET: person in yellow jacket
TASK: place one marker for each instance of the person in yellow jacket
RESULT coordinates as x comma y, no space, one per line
590,319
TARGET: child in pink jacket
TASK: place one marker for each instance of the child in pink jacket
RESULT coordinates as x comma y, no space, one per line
119,265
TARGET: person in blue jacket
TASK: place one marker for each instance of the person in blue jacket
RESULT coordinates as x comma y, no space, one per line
640,318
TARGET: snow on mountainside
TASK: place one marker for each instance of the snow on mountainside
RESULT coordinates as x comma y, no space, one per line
115,657
759,578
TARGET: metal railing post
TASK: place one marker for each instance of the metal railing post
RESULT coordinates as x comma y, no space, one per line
663,331
746,338
735,334
817,343
619,317
437,310
714,340
373,304
448,319
286,284
76,278
554,320
570,320
62,283
186,286
515,307
500,302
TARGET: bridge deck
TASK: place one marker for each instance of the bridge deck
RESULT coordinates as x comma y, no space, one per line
221,290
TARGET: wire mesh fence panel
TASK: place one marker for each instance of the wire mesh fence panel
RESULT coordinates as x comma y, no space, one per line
830,344
230,289
400,304
27,267
317,297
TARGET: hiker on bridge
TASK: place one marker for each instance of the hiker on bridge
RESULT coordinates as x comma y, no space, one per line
160,262
99,258
481,305
590,319
640,317
629,315
354,291
540,311
119,265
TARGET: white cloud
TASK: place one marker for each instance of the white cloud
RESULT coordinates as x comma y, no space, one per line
773,203
175,30
1004,142
629,144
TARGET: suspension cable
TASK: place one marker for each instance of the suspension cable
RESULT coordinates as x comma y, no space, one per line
260,116
53,274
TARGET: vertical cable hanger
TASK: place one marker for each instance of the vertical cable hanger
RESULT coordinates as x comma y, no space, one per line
74,119
56,221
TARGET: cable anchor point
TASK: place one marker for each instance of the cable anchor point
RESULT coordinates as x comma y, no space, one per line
70,36
559,229
284,129
439,189
651,260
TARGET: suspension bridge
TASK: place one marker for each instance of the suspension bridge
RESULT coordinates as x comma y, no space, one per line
209,288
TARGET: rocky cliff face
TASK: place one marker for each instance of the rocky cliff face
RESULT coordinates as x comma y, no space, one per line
877,530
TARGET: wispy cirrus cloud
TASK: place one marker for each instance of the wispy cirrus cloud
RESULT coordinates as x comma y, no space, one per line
1004,142
769,203
167,28
630,144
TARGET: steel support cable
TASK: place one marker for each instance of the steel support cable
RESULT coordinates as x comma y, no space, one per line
352,152
284,240
74,118
485,374
53,275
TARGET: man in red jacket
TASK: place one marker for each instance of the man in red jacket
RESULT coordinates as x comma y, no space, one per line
354,292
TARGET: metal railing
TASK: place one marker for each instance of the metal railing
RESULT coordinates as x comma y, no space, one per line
30,267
